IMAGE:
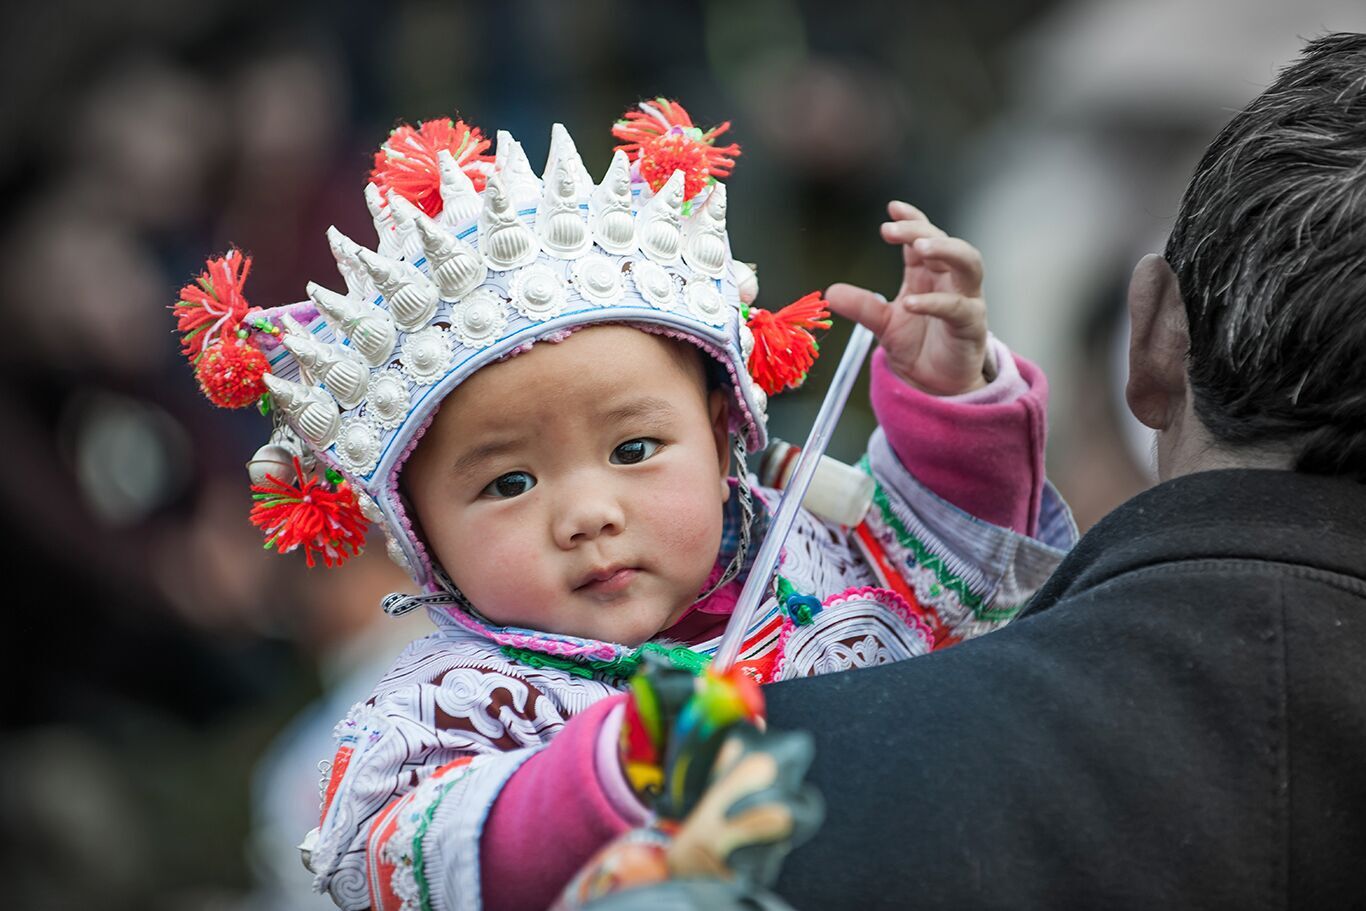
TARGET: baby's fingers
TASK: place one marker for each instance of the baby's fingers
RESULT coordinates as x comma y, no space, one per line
859,304
963,315
909,231
904,211
953,254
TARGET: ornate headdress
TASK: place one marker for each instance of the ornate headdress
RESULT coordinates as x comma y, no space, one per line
477,259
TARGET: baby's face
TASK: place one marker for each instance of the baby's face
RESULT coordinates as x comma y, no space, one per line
578,487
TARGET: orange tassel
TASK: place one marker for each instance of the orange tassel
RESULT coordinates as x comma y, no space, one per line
231,373
211,309
325,521
661,138
784,348
407,162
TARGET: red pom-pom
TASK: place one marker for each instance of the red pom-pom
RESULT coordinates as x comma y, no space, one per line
407,163
230,373
784,348
213,307
309,514
662,138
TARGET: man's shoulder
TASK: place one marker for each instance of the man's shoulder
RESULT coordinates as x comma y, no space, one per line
1216,527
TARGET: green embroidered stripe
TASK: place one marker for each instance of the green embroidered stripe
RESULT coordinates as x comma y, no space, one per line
680,656
923,557
419,875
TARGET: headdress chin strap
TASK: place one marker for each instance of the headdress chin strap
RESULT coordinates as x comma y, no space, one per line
745,501
400,603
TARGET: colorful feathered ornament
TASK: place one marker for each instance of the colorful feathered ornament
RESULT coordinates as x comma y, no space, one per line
784,348
407,162
673,725
321,516
661,138
721,701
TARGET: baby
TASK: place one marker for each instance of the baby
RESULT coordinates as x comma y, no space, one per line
543,392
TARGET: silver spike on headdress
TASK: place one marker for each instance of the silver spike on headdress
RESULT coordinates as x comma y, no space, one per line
337,367
310,411
454,266
659,225
384,222
562,230
402,213
411,296
347,254
609,210
460,203
511,163
369,328
562,147
504,242
705,245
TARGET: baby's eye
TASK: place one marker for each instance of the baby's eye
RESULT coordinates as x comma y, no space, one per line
633,451
511,484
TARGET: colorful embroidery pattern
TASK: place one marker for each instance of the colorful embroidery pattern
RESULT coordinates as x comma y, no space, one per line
680,656
919,555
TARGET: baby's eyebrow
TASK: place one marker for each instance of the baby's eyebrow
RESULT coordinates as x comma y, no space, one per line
645,407
482,453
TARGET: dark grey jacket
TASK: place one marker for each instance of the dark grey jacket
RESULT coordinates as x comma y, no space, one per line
1177,721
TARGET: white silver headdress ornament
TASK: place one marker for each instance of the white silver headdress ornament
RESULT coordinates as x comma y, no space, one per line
476,257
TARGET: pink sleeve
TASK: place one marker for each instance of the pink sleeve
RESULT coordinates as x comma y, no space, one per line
983,451
556,811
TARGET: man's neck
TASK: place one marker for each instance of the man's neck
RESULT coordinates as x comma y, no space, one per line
1191,448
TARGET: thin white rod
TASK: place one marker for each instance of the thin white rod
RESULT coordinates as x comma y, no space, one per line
766,561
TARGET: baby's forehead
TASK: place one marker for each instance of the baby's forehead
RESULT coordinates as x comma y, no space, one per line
614,345
577,372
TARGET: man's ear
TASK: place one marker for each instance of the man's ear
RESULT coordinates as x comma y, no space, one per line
718,409
1158,343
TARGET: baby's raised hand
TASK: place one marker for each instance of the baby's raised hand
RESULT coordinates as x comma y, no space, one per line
935,331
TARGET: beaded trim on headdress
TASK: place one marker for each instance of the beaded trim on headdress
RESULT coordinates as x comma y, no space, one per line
477,259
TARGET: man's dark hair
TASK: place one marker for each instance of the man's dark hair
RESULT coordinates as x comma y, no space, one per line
1269,250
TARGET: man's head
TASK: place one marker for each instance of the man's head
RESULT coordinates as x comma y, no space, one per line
577,488
1249,335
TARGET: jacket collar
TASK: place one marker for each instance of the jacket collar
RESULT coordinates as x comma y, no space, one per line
1252,514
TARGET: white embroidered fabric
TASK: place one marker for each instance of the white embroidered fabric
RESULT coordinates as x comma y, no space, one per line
454,693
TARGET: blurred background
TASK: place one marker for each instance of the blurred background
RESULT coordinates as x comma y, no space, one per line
176,686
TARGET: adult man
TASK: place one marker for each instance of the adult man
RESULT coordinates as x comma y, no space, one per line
1179,718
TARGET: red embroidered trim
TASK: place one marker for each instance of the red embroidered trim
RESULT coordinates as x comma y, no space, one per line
892,579
339,764
380,871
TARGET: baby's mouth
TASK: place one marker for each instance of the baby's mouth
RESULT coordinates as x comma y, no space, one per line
608,580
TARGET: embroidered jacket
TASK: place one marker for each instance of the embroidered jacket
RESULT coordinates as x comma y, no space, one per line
421,762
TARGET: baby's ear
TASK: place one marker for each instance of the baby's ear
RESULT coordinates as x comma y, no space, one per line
718,409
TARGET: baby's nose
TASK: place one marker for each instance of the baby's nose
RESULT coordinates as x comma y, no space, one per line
586,516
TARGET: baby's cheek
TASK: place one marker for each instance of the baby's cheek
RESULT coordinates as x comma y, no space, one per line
688,520
497,570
